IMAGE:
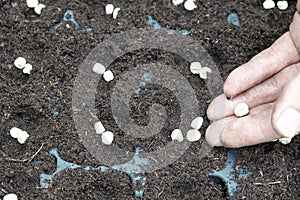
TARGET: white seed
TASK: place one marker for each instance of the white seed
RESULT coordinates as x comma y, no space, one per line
204,71
177,2
10,196
193,135
27,69
268,4
282,5
68,26
285,140
190,5
108,76
20,62
197,123
99,127
241,109
109,9
177,135
20,135
15,132
107,137
98,68
115,13
195,67
38,8
23,137
32,3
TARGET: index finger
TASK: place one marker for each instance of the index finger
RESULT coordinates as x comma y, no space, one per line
262,66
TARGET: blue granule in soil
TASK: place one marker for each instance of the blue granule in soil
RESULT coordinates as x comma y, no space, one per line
227,174
156,25
233,18
69,17
46,179
133,168
146,78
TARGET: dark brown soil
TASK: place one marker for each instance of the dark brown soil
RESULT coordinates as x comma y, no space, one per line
25,103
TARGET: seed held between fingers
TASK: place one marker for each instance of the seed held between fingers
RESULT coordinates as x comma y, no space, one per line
241,109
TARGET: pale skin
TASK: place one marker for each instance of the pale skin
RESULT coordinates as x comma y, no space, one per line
270,84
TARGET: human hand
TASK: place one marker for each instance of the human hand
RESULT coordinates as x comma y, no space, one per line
270,84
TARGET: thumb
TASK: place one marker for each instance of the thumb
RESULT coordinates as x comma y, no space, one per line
286,115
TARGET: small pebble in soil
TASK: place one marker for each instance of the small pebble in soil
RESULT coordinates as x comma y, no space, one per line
20,62
268,4
108,76
177,135
32,3
109,9
99,127
38,9
190,5
116,12
99,68
196,68
18,134
241,109
233,18
10,196
197,123
27,69
193,135
285,140
177,2
282,5
107,137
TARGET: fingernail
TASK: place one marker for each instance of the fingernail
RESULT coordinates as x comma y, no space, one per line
288,123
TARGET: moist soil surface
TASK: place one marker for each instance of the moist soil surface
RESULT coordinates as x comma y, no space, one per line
41,103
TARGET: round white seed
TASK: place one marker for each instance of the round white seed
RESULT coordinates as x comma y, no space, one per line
27,69
177,135
98,68
32,3
268,4
197,123
241,109
190,5
204,71
177,2
107,137
108,76
116,12
15,132
38,8
195,67
99,127
20,62
285,140
10,196
109,8
282,5
193,135
23,137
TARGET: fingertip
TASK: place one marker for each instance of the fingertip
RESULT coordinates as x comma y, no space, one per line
216,108
212,136
230,86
